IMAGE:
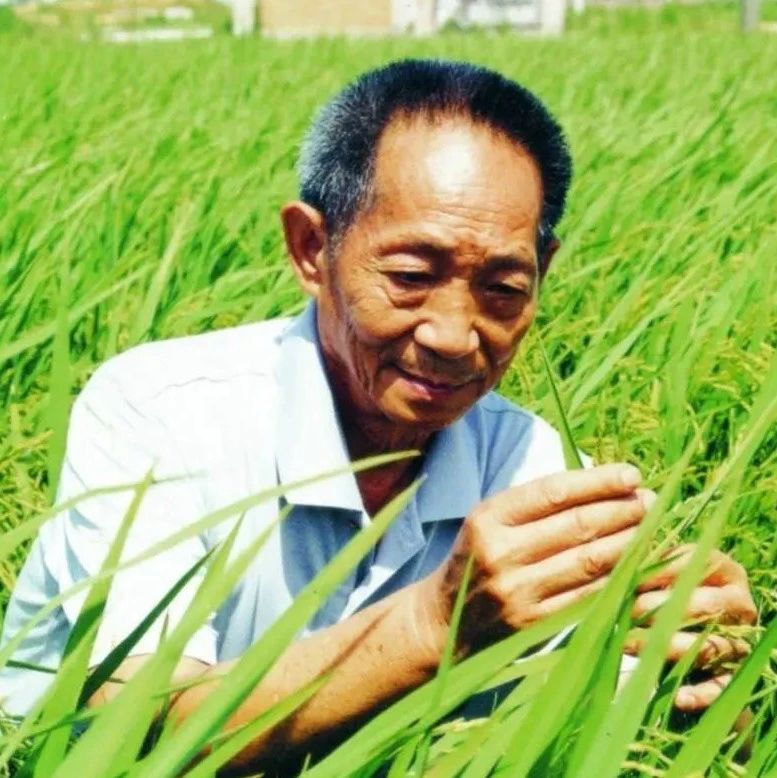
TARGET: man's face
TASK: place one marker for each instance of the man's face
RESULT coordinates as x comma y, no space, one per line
429,293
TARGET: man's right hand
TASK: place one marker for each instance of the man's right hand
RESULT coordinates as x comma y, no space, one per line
536,548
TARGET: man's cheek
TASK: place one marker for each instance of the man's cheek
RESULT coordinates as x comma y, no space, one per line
376,323
363,356
505,343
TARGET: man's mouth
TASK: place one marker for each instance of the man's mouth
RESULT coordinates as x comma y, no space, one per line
431,388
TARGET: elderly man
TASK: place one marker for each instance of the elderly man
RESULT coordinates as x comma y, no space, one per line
429,196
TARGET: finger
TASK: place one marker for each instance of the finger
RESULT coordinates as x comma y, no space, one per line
714,649
574,567
697,697
543,608
720,604
579,525
557,492
720,569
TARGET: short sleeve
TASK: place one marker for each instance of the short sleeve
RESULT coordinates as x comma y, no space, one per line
113,439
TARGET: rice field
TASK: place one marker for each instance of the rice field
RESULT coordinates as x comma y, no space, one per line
139,191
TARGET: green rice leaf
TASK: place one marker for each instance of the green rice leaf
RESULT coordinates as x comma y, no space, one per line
610,748
191,530
465,678
443,670
597,703
232,743
133,710
102,673
400,766
569,682
572,458
64,694
533,670
763,761
12,538
663,699
59,393
257,660
486,750
695,756
145,318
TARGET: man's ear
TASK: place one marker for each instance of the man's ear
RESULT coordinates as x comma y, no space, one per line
304,229
553,246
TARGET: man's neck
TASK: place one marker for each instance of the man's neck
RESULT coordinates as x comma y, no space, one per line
370,437
368,433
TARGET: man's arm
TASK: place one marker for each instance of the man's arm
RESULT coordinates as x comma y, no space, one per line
534,553
373,658
536,548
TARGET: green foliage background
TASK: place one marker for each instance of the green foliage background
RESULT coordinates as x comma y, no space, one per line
139,191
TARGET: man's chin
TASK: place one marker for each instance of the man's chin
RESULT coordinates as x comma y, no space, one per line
429,419
426,414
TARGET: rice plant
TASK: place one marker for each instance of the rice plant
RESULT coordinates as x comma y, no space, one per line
139,191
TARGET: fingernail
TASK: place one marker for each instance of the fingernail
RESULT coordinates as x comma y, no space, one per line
630,476
685,699
648,498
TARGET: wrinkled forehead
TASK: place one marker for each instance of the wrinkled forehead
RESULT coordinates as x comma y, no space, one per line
450,169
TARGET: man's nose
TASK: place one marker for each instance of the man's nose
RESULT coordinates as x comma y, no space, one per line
449,331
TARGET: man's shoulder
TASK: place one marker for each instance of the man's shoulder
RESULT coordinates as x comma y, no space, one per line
498,416
185,364
516,444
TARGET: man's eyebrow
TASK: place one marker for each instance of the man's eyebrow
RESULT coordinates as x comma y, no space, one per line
509,262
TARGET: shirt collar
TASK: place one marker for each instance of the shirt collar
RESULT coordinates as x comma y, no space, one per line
310,440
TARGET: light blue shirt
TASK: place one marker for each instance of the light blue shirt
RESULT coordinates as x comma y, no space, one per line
237,411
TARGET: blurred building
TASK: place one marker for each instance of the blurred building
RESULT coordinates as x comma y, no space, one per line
300,18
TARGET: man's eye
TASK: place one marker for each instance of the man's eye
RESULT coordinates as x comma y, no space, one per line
507,290
411,278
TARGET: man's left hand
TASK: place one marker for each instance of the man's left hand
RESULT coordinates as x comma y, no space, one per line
723,597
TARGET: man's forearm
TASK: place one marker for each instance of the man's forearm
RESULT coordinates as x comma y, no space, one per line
372,658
